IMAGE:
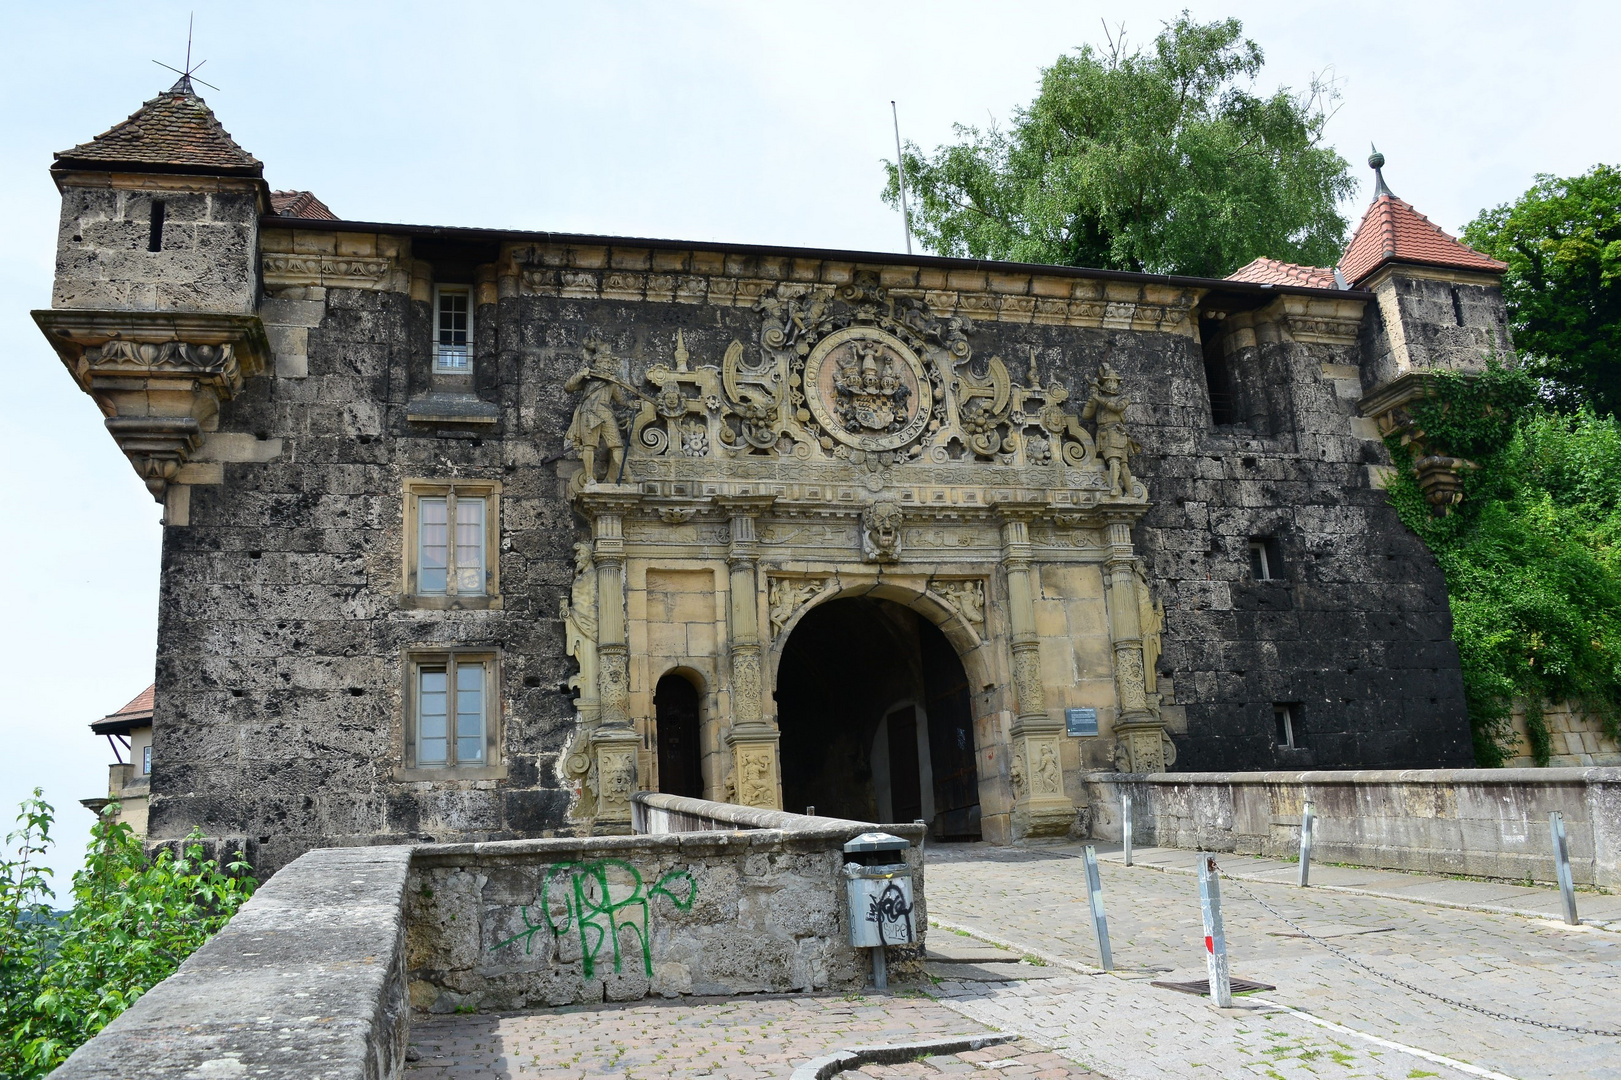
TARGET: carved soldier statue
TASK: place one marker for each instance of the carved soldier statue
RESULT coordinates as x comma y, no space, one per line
596,421
1108,406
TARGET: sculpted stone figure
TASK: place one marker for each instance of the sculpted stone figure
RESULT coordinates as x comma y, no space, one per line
1107,406
881,532
968,598
596,421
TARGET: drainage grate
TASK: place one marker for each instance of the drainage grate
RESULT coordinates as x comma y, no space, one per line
1202,986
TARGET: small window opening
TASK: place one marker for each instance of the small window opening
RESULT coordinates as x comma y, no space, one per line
154,237
1457,306
146,761
453,331
1217,374
1265,562
1291,734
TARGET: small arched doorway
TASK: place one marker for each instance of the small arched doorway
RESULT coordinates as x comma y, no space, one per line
873,709
676,726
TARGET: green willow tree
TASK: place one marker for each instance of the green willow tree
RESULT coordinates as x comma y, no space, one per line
1162,161
1562,243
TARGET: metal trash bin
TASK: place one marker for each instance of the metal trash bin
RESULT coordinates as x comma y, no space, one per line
878,888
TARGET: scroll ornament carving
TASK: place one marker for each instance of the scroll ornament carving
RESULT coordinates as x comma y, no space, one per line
851,374
968,597
787,596
1128,669
615,684
745,684
881,525
1027,680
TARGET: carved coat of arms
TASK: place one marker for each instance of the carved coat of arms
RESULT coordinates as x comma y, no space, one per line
867,389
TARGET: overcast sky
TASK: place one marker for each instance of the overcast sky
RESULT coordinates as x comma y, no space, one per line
760,123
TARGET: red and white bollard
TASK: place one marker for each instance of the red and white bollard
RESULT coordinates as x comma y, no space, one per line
1215,942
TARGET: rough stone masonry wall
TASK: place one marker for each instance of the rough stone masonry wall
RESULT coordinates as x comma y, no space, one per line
530,923
1489,823
283,635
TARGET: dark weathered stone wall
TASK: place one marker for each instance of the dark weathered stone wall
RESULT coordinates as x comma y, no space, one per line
282,635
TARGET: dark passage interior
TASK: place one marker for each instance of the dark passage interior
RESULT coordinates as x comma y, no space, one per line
873,706
675,712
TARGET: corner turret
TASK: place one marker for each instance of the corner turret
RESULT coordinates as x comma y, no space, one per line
153,307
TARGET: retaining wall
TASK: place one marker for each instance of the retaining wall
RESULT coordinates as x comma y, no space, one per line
1490,823
719,899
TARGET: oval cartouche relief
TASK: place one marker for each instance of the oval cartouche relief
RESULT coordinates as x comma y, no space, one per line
867,389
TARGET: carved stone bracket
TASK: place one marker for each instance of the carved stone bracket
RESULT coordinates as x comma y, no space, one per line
1440,476
159,377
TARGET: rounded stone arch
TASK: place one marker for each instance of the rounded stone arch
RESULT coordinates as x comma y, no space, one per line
972,648
959,757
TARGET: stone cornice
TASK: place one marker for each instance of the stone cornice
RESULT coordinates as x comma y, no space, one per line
158,377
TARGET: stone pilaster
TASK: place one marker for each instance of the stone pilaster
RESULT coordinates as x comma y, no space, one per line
614,741
1139,732
756,778
1040,807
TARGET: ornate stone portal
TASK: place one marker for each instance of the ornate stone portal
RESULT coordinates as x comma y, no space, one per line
857,447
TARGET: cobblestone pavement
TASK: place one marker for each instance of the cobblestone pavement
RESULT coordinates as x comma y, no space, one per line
1034,899
739,1038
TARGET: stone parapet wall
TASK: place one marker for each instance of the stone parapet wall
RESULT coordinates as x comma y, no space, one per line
758,908
1490,823
307,979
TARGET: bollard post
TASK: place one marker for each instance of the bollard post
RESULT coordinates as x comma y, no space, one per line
1215,942
1561,859
1125,824
1094,896
1308,822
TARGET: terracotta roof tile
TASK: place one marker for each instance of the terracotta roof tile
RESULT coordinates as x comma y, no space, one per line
175,130
140,707
1274,272
300,204
1392,231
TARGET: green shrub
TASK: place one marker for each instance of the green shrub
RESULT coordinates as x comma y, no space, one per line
65,975
1530,555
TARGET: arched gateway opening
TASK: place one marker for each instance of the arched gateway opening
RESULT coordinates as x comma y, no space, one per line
873,708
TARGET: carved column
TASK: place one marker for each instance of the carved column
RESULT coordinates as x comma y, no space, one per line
753,736
1040,807
614,742
1139,732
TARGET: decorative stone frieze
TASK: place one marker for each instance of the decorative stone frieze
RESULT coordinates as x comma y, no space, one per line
158,377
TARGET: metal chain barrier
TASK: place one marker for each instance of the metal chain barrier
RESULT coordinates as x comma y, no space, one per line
1376,973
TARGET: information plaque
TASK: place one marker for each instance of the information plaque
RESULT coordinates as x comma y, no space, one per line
1081,721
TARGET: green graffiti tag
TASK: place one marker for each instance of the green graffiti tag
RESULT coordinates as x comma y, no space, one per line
595,913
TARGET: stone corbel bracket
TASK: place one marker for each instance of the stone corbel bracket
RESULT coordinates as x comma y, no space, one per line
158,377
1440,476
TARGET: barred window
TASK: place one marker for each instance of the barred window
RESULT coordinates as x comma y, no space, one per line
453,330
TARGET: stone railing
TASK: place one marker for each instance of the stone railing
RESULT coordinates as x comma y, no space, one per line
308,979
315,975
712,899
1490,823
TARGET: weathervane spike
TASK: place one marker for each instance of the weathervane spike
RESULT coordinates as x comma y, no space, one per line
189,74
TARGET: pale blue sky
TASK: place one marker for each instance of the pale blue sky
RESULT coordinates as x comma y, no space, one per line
757,123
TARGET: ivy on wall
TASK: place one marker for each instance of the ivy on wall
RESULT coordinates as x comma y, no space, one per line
1532,555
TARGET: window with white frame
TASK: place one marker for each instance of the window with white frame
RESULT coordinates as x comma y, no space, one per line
453,330
1286,714
451,717
146,760
1265,561
451,540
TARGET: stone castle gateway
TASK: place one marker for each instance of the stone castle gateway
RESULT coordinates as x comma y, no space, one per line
471,534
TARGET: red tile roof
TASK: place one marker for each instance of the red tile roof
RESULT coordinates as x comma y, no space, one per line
300,204
175,131
138,713
1392,231
1273,272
